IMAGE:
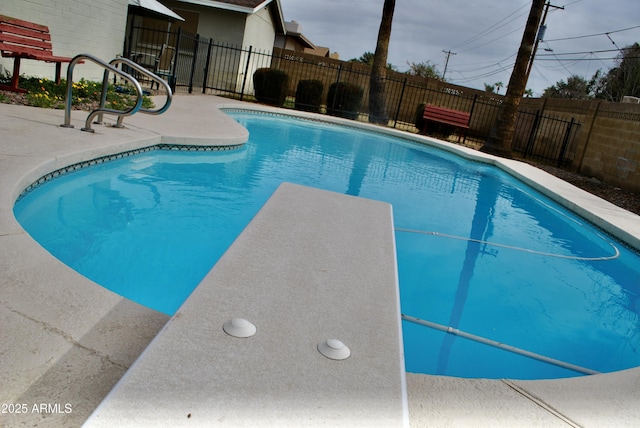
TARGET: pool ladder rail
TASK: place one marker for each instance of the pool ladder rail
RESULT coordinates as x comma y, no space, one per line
110,67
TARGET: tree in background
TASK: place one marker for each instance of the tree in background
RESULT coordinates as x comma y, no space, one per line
624,79
424,69
575,88
492,89
501,138
367,58
377,99
621,80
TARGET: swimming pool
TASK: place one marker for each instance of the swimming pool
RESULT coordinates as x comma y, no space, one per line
563,290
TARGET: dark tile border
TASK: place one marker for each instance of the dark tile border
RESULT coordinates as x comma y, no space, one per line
108,158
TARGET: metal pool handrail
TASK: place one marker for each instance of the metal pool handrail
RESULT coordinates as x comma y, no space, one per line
134,65
101,110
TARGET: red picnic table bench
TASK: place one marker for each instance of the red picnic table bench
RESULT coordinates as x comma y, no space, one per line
22,39
456,118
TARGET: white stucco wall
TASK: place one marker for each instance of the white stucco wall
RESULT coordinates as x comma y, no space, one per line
221,25
260,32
96,27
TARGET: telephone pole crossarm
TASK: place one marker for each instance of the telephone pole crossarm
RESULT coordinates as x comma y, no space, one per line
449,53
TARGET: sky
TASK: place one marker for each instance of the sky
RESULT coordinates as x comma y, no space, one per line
483,36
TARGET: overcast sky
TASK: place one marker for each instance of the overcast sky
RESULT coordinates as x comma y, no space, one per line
483,34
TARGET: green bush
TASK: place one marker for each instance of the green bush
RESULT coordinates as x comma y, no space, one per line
344,100
309,95
86,94
270,86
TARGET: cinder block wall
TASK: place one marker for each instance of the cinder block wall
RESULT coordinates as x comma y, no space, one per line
96,27
608,146
612,153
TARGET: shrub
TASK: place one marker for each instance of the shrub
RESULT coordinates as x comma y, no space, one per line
270,86
309,95
344,100
86,94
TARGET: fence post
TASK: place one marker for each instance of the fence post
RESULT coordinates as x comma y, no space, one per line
206,68
246,71
333,105
473,106
174,80
532,134
193,62
404,85
565,142
127,54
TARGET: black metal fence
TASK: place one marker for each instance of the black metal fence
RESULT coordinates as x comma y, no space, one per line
194,63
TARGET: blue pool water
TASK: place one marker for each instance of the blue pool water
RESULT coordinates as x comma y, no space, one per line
478,251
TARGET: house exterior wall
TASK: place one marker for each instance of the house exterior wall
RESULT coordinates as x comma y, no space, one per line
221,25
76,26
260,32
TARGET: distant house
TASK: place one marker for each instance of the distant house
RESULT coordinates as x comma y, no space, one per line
294,40
102,28
236,22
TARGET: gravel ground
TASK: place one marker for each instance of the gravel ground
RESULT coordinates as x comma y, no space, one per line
626,199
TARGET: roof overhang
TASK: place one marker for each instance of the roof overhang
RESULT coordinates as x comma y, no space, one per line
229,5
248,9
155,8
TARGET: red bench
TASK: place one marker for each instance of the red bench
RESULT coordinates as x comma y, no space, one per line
446,116
22,39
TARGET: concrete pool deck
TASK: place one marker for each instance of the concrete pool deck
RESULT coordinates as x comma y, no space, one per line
65,341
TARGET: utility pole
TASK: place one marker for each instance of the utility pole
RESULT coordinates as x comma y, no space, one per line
449,53
540,36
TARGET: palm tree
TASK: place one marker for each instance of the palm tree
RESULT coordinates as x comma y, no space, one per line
377,101
499,142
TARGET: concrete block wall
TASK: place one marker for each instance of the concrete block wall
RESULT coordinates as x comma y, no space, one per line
609,139
76,26
613,153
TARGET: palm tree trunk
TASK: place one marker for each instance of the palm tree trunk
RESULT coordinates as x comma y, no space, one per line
501,137
377,101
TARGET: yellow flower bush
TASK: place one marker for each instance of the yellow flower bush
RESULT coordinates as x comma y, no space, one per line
86,94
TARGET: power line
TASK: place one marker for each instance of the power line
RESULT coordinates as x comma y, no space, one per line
493,27
482,76
577,53
492,63
593,35
493,40
586,59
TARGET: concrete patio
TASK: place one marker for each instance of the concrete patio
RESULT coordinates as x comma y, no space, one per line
81,353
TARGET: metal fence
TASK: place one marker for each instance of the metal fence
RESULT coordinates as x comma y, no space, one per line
197,64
